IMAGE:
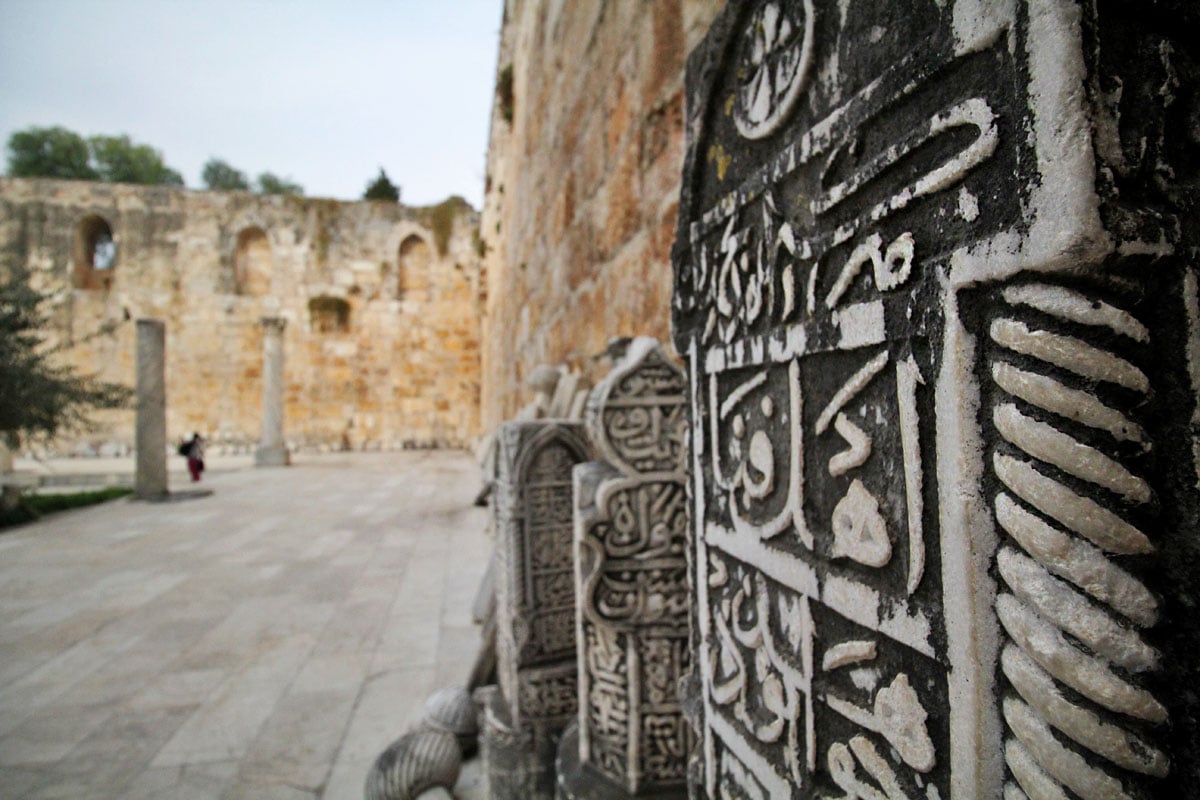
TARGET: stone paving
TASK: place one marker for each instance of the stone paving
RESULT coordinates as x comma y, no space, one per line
266,641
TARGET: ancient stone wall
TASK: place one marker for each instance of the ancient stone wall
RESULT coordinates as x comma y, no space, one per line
381,349
583,182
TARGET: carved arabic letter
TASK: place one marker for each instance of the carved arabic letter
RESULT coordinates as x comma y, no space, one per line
844,654
855,455
869,250
859,530
773,68
730,687
760,460
895,267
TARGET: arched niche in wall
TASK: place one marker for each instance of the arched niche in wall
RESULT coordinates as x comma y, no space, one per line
252,262
328,314
95,253
414,260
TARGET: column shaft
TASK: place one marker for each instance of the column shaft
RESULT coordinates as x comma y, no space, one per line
271,449
151,436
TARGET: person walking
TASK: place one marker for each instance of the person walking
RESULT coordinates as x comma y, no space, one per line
194,450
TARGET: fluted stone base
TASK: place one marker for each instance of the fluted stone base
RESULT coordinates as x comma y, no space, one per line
272,457
419,760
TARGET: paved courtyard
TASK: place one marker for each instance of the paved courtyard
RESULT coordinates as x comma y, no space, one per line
266,641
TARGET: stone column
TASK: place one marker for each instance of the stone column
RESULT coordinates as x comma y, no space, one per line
535,614
272,452
150,480
9,493
631,527
939,293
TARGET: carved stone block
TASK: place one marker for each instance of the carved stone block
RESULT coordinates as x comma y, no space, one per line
940,310
535,591
631,525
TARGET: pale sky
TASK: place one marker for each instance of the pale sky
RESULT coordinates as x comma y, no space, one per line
324,92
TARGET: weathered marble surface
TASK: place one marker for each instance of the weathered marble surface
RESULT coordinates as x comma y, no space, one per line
422,759
938,295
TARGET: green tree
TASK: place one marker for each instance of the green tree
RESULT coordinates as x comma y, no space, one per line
219,176
382,189
120,160
269,183
49,153
38,397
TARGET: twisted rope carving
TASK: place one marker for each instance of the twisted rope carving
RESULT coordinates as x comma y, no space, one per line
1073,617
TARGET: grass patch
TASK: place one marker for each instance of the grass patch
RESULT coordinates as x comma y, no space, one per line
33,506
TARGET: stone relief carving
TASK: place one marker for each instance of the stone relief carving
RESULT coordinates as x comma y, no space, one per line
635,418
631,523
1069,456
535,590
535,585
924,396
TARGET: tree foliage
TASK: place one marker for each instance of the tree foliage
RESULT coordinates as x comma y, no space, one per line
219,176
504,93
59,153
49,153
38,397
269,183
382,189
120,160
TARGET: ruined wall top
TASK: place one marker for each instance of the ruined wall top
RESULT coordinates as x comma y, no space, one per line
367,289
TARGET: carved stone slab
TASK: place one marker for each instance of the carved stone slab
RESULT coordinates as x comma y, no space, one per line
940,313
636,415
631,525
535,591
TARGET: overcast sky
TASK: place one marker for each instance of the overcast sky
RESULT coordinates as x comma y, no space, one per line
322,92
